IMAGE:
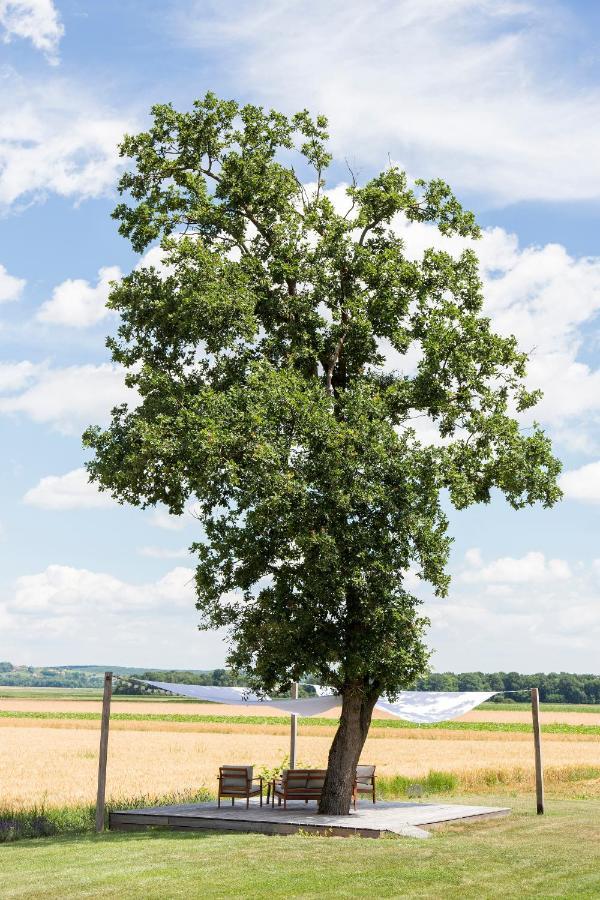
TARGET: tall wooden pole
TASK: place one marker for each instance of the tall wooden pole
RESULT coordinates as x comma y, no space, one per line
293,728
102,757
537,741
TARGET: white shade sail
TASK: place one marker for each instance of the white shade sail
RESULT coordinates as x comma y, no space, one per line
421,707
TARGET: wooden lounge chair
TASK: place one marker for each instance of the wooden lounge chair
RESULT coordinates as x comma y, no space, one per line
237,781
298,784
364,783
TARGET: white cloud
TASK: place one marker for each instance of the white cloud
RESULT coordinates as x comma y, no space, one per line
70,398
77,303
531,568
55,138
11,287
65,614
164,553
34,20
14,376
472,90
70,491
583,483
75,593
545,616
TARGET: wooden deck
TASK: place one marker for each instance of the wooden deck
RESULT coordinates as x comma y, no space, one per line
407,819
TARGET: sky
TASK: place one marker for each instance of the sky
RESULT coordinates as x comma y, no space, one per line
501,98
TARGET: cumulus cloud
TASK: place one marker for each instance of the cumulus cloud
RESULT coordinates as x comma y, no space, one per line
57,139
70,491
67,398
34,20
11,287
518,614
77,303
471,90
531,568
60,590
53,617
14,376
583,483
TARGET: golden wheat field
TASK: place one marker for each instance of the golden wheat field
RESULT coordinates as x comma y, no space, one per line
54,762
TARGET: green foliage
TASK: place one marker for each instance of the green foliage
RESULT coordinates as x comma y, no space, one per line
34,676
554,687
257,357
392,787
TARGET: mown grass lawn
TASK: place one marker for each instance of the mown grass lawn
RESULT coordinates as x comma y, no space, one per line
557,855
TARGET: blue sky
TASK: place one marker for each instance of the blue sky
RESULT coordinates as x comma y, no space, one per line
501,98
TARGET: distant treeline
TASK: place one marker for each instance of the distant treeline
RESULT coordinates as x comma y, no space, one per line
555,687
42,676
221,677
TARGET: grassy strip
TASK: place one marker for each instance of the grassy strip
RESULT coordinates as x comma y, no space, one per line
544,707
501,727
39,821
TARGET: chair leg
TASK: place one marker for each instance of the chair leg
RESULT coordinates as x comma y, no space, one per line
233,801
248,802
219,802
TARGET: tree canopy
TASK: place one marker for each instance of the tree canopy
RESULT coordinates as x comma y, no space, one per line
258,353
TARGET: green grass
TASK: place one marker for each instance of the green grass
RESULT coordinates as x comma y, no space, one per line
510,727
41,821
544,707
521,856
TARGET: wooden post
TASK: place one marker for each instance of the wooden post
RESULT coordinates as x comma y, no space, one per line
537,741
100,797
293,728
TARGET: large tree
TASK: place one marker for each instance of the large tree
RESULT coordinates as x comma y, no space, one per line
258,351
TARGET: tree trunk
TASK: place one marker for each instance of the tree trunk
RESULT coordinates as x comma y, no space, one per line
345,752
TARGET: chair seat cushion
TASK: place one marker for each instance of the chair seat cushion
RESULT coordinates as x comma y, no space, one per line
239,792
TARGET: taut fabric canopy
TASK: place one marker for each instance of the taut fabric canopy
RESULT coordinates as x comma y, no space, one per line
422,707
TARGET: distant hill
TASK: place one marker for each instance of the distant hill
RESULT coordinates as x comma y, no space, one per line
64,676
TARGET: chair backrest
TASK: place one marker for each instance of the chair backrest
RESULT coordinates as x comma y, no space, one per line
363,773
294,779
234,777
300,779
316,779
